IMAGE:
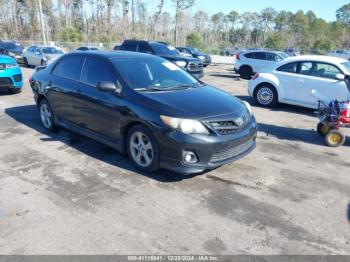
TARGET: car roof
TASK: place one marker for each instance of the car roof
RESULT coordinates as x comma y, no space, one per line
315,58
144,41
113,54
261,51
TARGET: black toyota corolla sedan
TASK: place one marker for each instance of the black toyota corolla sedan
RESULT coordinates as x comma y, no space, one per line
147,107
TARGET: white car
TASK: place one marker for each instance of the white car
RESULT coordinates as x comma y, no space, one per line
293,80
41,55
345,54
253,61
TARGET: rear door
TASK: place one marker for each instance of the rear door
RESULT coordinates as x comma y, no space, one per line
98,111
64,83
257,60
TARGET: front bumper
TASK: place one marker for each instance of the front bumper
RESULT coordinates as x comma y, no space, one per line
11,78
211,151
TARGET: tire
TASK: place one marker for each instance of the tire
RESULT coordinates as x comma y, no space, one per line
25,61
42,63
266,95
46,115
323,129
145,154
15,90
246,72
335,138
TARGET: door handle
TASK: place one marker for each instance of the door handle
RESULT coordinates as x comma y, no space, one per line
301,80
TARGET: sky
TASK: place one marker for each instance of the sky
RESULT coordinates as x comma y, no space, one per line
322,8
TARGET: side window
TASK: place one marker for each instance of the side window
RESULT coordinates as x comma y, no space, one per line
69,67
271,57
289,68
250,55
306,68
96,70
145,49
260,55
325,70
129,47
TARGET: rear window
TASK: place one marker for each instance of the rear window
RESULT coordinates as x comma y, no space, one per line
68,67
289,68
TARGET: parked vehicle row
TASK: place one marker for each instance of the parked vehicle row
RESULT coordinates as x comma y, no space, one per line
146,106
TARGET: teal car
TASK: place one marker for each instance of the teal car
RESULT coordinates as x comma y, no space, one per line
11,78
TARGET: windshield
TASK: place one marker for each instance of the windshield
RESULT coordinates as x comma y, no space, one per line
153,73
51,50
10,46
161,49
283,55
347,66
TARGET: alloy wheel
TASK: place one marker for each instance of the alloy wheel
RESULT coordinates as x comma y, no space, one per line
141,149
46,115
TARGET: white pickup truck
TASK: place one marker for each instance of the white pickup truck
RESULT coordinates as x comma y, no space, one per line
340,53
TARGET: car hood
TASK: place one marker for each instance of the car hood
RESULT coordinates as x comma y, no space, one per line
6,59
180,58
203,102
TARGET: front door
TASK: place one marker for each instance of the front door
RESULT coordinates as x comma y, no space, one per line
98,111
320,77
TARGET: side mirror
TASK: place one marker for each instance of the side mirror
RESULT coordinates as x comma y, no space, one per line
340,77
109,87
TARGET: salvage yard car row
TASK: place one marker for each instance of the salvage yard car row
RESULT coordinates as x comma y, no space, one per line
148,102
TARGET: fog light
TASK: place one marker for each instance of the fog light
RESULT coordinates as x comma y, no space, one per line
190,157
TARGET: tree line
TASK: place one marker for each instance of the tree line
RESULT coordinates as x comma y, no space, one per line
112,21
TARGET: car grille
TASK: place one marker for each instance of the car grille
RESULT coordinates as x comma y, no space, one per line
192,66
228,127
18,78
231,152
5,81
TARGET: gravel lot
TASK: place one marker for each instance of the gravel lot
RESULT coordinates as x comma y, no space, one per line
66,194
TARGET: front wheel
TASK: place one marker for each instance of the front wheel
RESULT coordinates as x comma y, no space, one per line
142,149
266,95
335,138
46,115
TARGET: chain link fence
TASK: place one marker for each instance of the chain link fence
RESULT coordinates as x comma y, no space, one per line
69,46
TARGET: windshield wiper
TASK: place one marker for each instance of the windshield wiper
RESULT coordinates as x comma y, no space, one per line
184,86
149,88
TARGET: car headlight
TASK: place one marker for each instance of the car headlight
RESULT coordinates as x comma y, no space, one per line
11,54
181,63
201,57
249,108
187,126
